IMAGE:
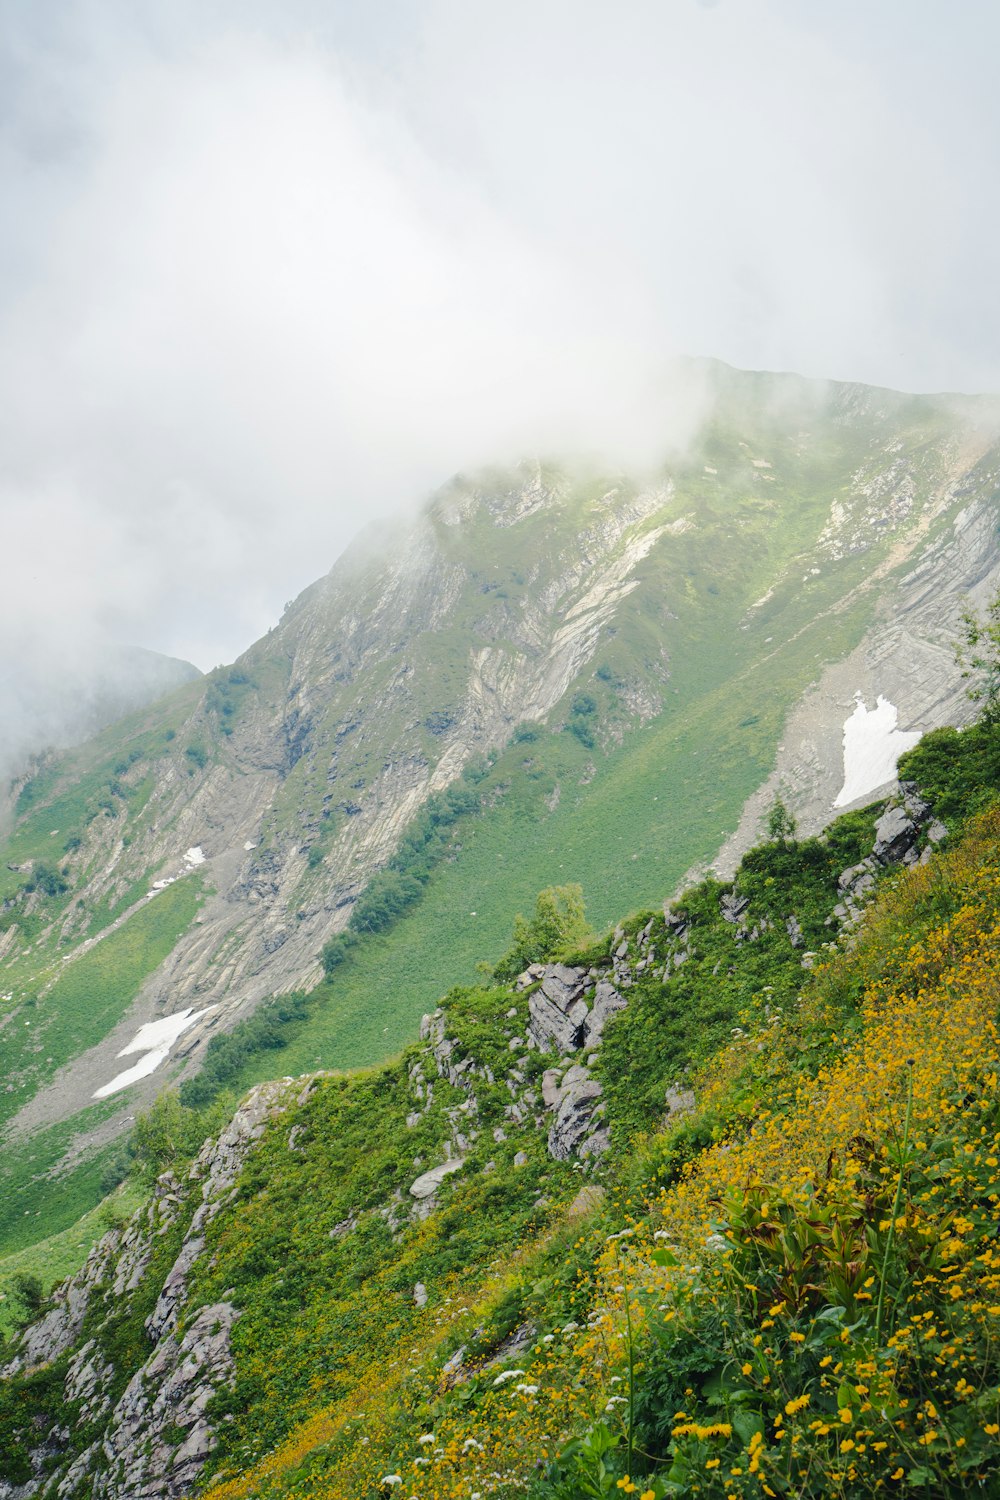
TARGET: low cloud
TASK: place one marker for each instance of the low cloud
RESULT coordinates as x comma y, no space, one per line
271,272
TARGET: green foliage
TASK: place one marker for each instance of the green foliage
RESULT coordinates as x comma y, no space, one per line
45,879
197,755
27,1400
392,891
781,824
60,1255
710,975
226,695
978,653
590,1466
93,991
559,923
957,770
270,1029
28,1289
170,1134
323,1276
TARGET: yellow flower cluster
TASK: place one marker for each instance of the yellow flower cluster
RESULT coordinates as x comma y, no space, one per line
842,1246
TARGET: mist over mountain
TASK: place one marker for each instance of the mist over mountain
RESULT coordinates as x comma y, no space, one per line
55,693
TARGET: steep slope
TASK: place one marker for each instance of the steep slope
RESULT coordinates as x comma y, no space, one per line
607,663
422,1271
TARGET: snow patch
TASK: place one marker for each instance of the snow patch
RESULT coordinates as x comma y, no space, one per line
155,1039
194,856
872,747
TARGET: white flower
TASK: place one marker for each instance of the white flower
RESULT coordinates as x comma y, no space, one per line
569,1328
662,1234
529,1390
391,1479
549,1338
471,1443
426,1437
507,1375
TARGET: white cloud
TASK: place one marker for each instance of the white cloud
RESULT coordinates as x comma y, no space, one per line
269,271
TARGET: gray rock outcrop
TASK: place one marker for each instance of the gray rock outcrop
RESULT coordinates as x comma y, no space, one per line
146,1456
428,1182
578,1110
156,1435
569,1008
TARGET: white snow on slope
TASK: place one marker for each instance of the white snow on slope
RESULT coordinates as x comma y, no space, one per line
872,747
155,1039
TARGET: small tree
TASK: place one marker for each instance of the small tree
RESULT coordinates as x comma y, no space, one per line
978,654
559,923
781,824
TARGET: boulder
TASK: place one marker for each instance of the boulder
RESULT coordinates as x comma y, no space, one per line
428,1183
856,878
557,1010
579,1098
895,835
679,1102
733,907
564,1016
607,1001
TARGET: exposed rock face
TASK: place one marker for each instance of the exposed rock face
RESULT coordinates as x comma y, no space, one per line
569,1008
156,1435
170,1391
313,775
254,809
907,655
153,1432
577,1104
895,835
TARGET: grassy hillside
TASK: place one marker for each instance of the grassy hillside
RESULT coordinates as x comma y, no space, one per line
793,1292
790,1289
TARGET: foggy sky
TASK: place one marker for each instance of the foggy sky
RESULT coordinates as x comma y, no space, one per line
271,270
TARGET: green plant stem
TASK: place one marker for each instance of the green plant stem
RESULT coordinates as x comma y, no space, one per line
631,1366
890,1238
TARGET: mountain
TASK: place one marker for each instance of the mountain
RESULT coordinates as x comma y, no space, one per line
705,1207
546,676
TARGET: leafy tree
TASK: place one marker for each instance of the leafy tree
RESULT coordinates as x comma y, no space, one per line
781,824
29,1292
559,923
978,654
171,1132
